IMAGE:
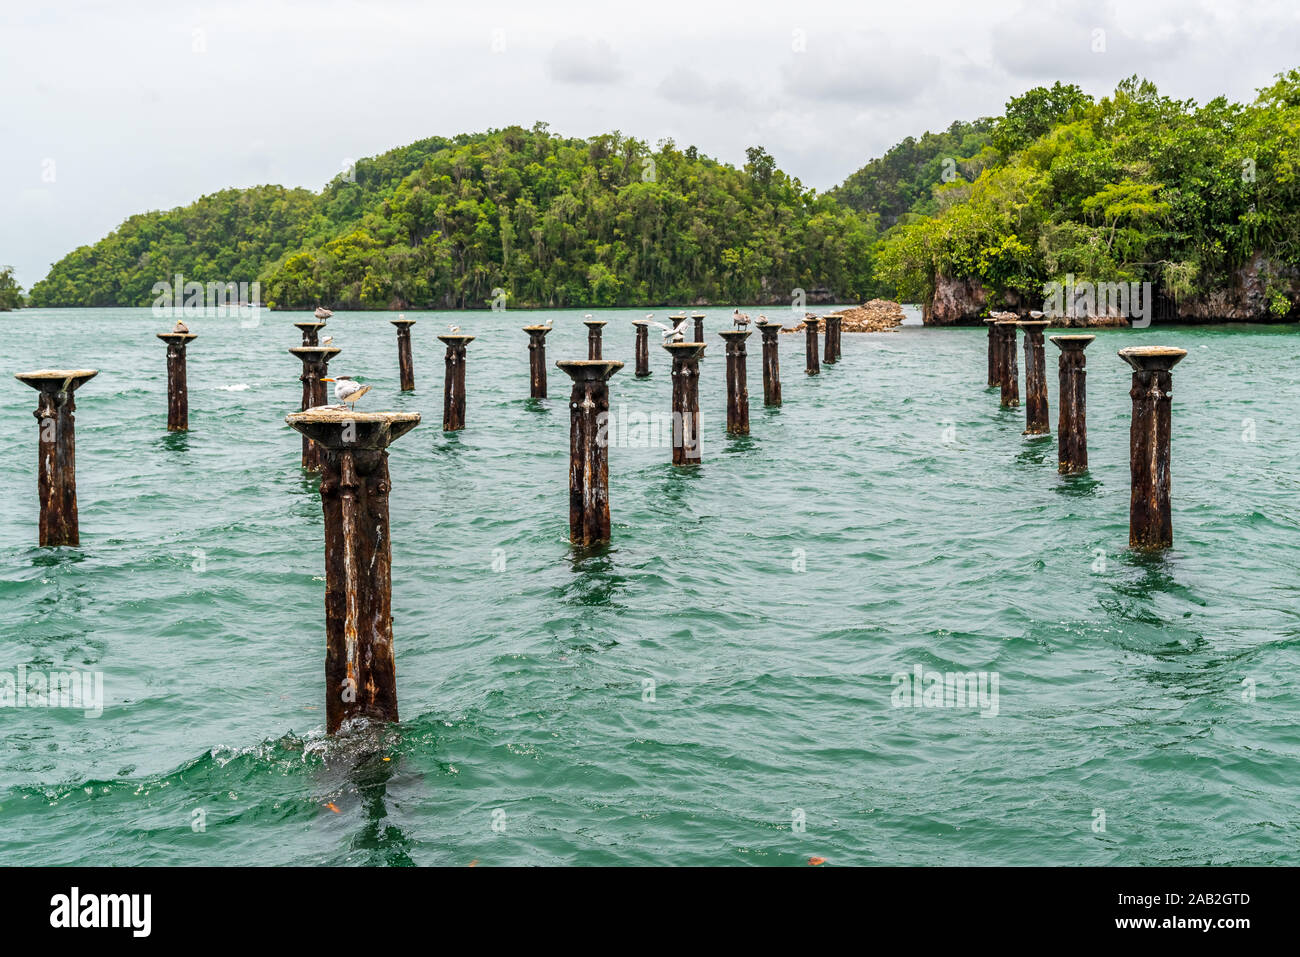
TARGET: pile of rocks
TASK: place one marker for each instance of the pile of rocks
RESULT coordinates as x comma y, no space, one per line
878,315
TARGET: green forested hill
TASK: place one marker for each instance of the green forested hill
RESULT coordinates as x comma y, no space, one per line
1133,187
444,222
903,181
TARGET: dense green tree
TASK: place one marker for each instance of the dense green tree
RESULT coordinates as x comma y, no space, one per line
1030,116
11,294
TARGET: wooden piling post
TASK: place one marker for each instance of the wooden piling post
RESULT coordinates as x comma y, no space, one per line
1010,381
453,391
310,331
686,401
405,365
315,366
178,399
537,361
1072,419
995,353
595,330
589,449
771,362
360,665
831,349
811,364
1036,420
698,318
1150,523
642,351
56,456
737,387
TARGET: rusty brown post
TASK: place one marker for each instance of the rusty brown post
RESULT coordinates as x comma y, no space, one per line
309,332
405,366
56,456
360,666
453,391
642,351
315,366
537,360
1150,523
178,399
771,362
811,325
829,356
1072,418
1006,329
686,400
737,387
995,353
595,329
1036,420
589,449
839,332
698,319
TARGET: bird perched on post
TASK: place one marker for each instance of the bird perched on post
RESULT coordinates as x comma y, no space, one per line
676,335
347,390
740,319
322,313
180,328
452,328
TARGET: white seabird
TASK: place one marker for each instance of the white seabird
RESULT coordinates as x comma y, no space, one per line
347,390
676,335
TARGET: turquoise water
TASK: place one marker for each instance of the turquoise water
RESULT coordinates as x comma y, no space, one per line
930,532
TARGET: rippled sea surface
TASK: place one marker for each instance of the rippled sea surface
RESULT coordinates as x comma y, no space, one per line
716,686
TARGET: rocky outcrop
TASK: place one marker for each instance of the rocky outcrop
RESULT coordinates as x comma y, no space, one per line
956,302
878,315
1247,297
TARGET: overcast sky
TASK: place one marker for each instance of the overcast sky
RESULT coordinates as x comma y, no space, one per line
113,108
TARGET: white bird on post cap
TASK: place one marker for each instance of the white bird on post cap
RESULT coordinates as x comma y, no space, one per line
322,313
676,335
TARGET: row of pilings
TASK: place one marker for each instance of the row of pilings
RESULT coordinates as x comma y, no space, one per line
57,474
1151,392
349,450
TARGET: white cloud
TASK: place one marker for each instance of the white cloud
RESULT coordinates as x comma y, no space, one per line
584,61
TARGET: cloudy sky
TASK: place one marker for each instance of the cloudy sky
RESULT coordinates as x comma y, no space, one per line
112,108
